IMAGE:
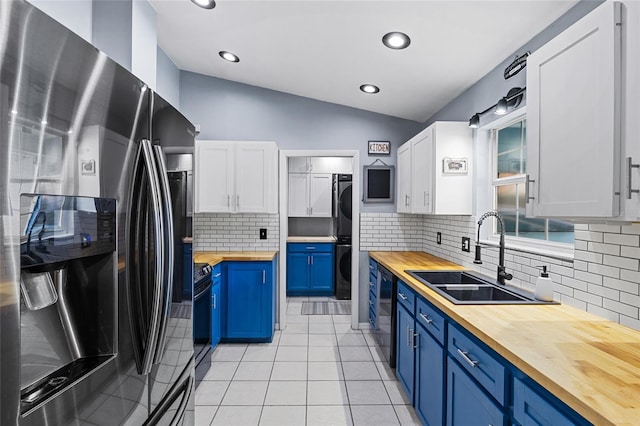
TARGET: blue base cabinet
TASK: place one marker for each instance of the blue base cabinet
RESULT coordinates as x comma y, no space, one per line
405,341
467,404
249,301
216,316
310,269
405,356
430,365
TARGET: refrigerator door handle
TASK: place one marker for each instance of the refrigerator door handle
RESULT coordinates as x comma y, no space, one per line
145,329
167,290
184,388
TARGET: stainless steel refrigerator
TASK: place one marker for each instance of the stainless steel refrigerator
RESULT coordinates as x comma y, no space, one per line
90,332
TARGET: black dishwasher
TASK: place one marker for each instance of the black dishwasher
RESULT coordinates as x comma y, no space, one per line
386,334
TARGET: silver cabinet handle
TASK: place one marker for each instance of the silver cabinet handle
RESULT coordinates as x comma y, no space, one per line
311,211
310,248
465,356
416,340
228,200
217,275
426,318
371,267
526,189
238,200
308,260
402,296
264,276
406,200
214,301
370,284
630,167
311,259
370,302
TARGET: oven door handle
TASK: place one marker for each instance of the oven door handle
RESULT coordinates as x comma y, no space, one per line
199,295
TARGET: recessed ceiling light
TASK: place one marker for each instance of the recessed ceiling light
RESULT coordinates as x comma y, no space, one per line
228,56
205,4
369,88
396,40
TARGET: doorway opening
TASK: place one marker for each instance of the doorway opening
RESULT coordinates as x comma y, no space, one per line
285,155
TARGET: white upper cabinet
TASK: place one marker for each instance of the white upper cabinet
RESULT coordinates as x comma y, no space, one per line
320,194
236,177
582,119
434,171
310,194
403,203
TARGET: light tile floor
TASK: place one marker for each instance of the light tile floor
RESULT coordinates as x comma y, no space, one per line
318,371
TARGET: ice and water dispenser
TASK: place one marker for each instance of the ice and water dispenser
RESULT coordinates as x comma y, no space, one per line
68,292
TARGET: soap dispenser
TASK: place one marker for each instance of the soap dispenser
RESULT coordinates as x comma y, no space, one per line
544,286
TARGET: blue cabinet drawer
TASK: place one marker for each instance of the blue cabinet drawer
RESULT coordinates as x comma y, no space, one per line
478,362
432,319
372,301
373,267
216,274
373,320
310,247
373,283
406,297
530,408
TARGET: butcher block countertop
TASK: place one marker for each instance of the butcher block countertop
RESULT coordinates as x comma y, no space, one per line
302,239
588,362
215,257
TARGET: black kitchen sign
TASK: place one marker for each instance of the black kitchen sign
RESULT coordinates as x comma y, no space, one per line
380,147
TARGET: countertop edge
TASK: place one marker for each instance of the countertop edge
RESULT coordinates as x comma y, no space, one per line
215,257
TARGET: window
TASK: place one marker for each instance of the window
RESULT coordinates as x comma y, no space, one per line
508,182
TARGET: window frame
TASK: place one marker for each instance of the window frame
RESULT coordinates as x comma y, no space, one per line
561,251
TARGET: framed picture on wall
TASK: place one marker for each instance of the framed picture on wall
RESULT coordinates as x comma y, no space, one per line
455,166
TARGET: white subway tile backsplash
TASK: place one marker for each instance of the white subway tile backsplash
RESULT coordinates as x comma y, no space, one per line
235,232
622,239
622,308
621,262
603,248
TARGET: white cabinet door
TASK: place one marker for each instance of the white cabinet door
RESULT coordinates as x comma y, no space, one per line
422,174
298,195
320,195
255,162
236,177
573,120
214,172
404,179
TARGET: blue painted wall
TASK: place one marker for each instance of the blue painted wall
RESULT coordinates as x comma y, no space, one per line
168,79
235,111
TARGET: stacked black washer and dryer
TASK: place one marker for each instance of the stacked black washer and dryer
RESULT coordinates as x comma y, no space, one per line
342,225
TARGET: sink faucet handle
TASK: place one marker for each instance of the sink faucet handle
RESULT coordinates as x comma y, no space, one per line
478,259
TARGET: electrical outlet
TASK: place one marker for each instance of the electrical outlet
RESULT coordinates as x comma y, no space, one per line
263,233
466,244
439,238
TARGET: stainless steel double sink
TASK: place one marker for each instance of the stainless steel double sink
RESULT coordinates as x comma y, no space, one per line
472,288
